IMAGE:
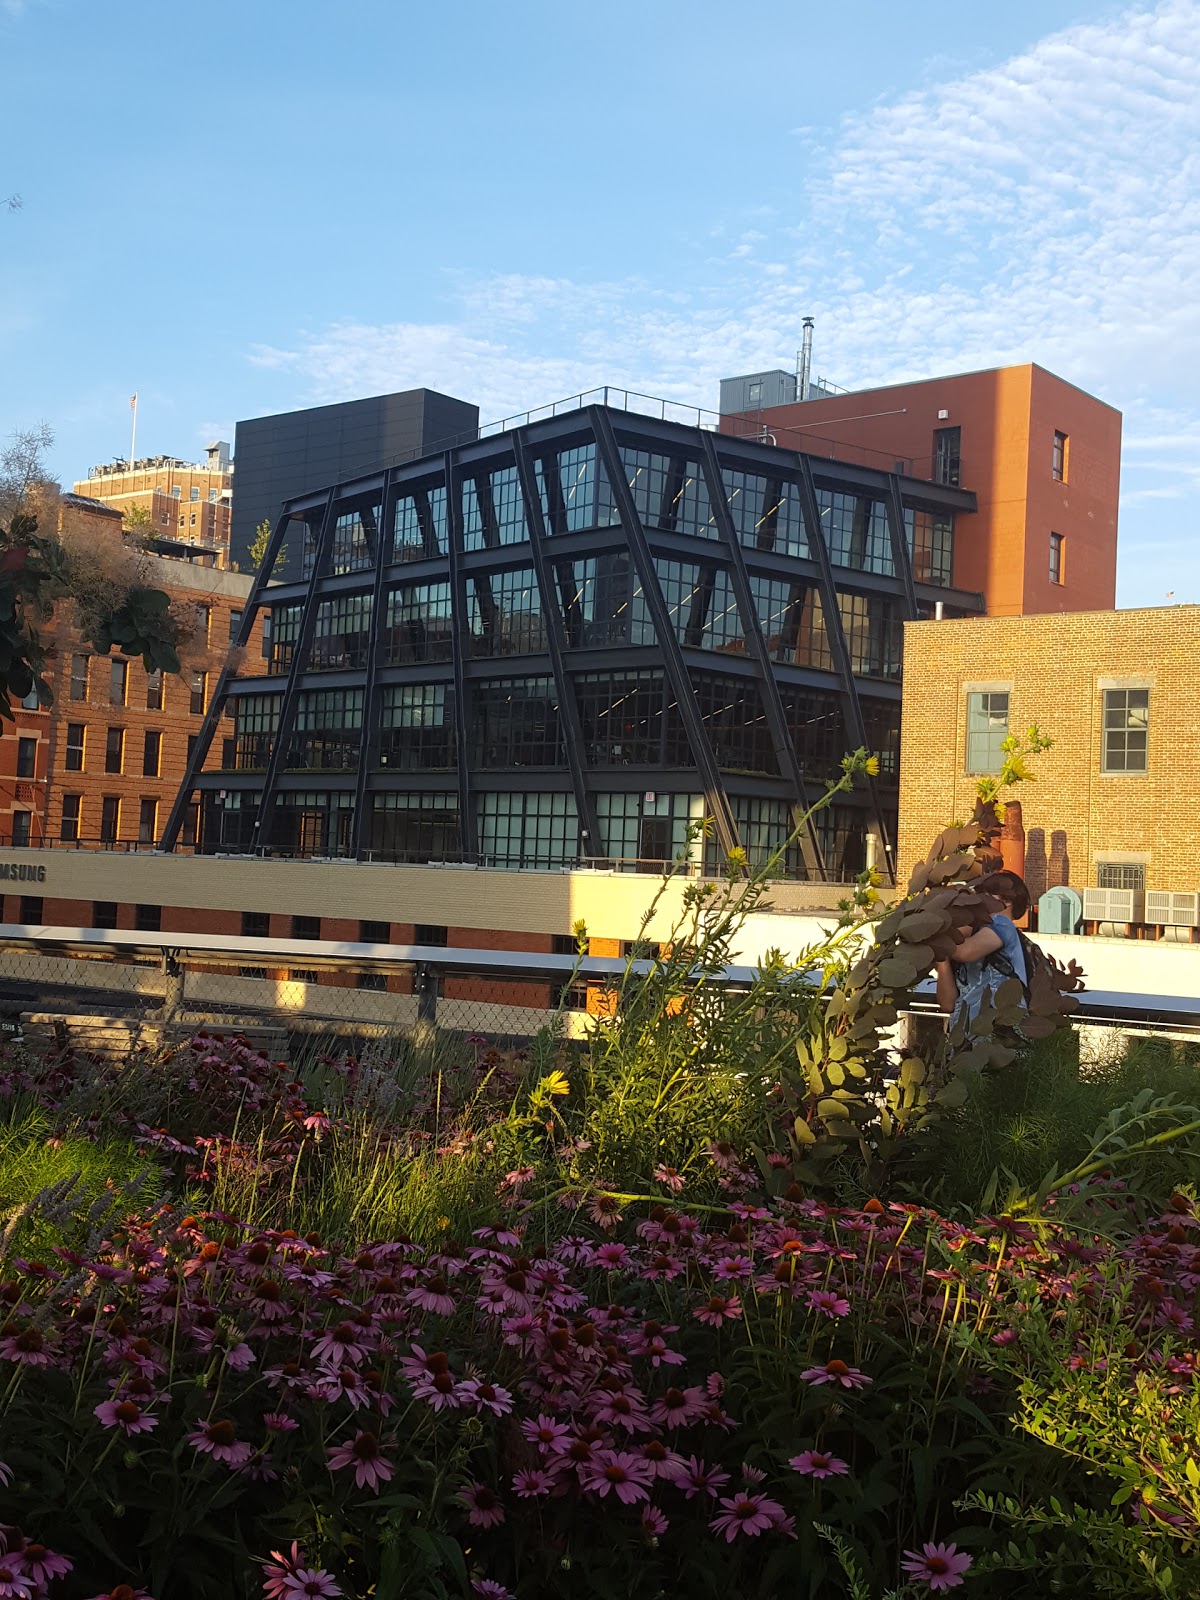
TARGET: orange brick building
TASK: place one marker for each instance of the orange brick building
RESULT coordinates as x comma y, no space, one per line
189,504
102,764
1042,456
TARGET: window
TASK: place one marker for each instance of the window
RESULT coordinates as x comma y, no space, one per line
151,753
754,394
1120,875
376,981
235,622
516,724
74,746
1126,730
256,924
31,702
504,614
492,509
191,824
148,919
256,723
193,493
564,944
110,819
528,830
114,750
414,827
306,927
1056,558
212,496
1058,466
419,528
154,691
670,492
177,492
375,932
874,634
766,512
431,933
575,491
118,682
79,677
32,910
947,462
602,602
148,822
228,755
856,531
987,729
72,805
792,621
327,731
199,693
26,758
701,605
342,634
20,827
104,913
931,545
192,520
623,718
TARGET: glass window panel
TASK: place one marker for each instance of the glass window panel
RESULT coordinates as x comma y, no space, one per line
505,613
256,721
987,729
670,493
766,512
528,830
415,827
817,728
283,632
326,735
419,526
874,634
416,727
341,636
622,716
419,624
493,510
792,622
312,823
931,545
1126,730
735,723
602,602
701,604
856,531
515,723
575,492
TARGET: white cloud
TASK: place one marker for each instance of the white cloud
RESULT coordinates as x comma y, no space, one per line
1047,208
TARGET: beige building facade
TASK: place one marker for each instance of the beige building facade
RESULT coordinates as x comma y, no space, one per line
188,503
1114,801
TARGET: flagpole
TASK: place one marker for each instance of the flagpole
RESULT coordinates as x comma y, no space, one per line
133,441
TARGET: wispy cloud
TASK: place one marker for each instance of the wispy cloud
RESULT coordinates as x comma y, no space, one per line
1047,208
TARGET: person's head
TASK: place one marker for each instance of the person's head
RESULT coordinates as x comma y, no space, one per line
1009,888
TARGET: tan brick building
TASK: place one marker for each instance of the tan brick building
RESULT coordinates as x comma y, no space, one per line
1114,804
102,764
188,503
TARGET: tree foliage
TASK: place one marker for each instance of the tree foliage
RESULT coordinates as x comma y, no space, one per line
39,570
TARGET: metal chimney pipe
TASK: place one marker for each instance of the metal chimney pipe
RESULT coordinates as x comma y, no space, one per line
805,374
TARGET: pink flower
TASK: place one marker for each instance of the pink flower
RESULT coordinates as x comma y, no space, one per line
433,1295
749,1514
719,1309
123,1591
654,1524
604,1211
669,1178
371,1468
486,1397
313,1582
695,1477
819,1464
6,1474
220,1441
628,1476
279,1569
610,1256
828,1303
941,1566
14,1584
127,1416
836,1371
544,1432
529,1485
481,1504
487,1589
340,1345
279,1422
41,1564
28,1348
677,1407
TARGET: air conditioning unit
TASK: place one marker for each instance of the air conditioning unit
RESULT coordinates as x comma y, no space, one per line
1114,905
1169,908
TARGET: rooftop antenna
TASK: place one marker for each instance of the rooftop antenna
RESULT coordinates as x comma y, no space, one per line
804,361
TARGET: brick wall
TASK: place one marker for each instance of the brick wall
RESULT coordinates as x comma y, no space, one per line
1056,668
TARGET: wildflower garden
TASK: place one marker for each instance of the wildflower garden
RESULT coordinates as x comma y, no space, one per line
729,1298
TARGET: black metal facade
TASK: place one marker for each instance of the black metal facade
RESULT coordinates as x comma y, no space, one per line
569,643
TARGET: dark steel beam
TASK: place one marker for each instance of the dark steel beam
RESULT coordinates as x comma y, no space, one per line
901,555
568,707
677,673
220,693
387,515
260,834
467,831
838,649
785,750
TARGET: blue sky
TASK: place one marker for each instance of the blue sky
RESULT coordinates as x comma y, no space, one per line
240,208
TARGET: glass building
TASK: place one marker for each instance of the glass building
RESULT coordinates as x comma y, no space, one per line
567,642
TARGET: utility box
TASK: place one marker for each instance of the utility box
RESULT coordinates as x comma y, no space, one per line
1172,908
1060,910
1114,905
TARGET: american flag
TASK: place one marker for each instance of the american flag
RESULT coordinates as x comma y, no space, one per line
133,402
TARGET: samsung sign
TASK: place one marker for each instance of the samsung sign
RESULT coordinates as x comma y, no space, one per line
21,872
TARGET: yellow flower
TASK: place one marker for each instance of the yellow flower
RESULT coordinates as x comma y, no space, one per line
871,766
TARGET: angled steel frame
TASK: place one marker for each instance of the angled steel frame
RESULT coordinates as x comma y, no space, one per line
836,634
901,555
467,833
571,727
220,694
785,751
260,834
387,515
677,672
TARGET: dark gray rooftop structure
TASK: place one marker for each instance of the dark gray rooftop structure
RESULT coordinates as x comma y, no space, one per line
295,451
573,640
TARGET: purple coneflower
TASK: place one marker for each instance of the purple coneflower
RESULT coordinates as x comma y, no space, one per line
941,1566
488,1589
433,1296
220,1441
654,1524
628,1476
41,1564
819,1464
371,1468
533,1483
836,1371
718,1310
481,1504
544,1431
127,1416
15,1584
669,1178
28,1348
828,1302
749,1514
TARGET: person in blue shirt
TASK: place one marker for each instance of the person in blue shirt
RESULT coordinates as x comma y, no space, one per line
992,954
